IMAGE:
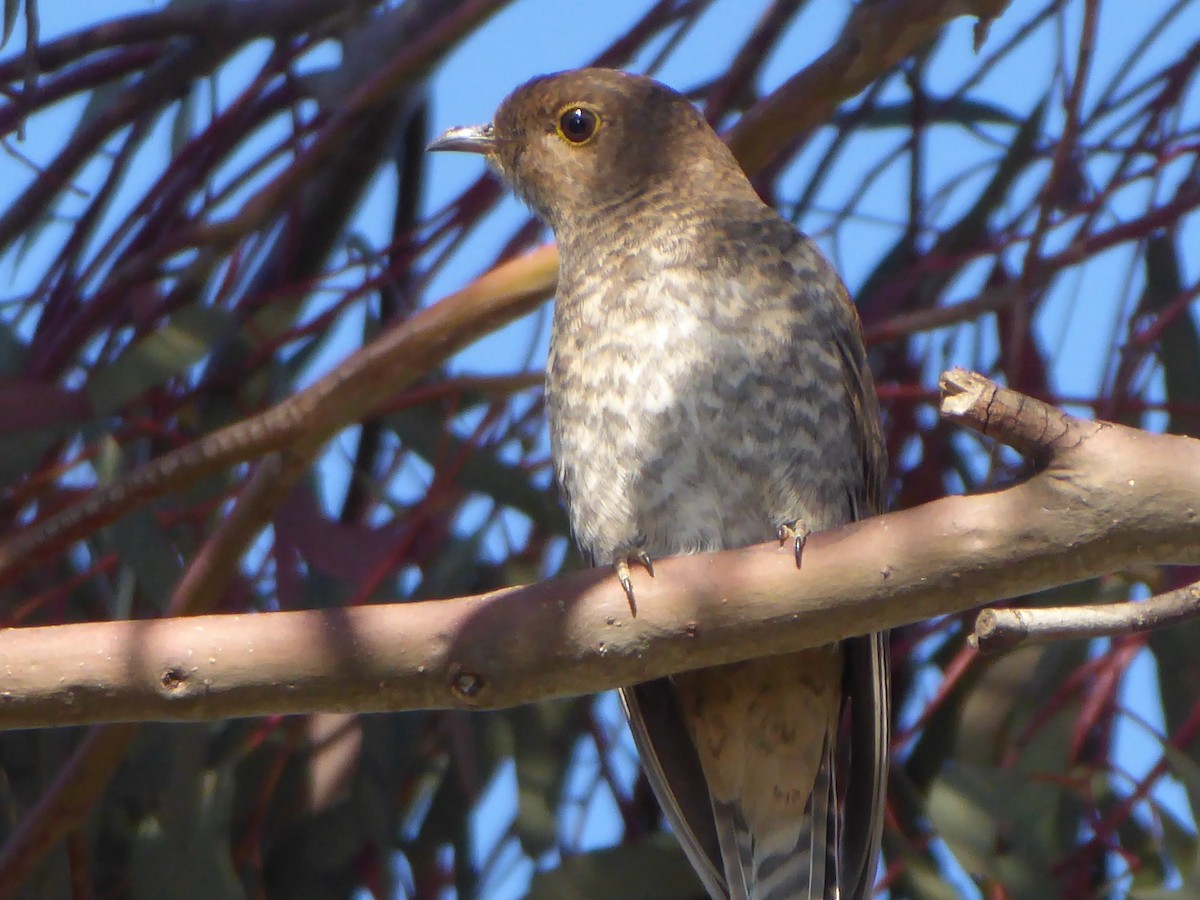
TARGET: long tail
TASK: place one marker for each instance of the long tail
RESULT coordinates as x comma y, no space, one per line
784,865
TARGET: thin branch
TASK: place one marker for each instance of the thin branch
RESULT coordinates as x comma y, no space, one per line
1003,629
163,80
877,36
304,421
226,22
428,40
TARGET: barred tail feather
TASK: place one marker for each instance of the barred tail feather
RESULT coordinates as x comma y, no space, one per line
784,866
737,849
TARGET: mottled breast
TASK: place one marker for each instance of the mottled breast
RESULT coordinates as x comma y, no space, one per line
700,404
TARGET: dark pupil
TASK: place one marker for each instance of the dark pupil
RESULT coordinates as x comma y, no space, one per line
577,124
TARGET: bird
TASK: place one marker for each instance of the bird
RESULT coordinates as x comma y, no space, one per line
707,388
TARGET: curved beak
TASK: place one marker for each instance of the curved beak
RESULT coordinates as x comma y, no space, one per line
466,139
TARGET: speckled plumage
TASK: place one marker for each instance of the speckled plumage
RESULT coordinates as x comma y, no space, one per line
706,385
686,402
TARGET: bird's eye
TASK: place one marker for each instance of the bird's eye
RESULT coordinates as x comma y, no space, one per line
578,125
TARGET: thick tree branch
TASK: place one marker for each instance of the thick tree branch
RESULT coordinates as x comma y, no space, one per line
1107,498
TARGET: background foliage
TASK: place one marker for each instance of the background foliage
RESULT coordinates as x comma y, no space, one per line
208,205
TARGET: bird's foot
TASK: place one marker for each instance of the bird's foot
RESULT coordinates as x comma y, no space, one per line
797,532
622,567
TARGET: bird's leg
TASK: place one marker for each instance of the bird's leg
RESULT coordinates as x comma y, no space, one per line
622,567
794,531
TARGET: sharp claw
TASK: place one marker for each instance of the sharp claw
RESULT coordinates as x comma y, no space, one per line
644,558
622,567
798,532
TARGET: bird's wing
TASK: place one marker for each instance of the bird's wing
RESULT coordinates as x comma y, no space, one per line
868,676
868,659
673,769
859,390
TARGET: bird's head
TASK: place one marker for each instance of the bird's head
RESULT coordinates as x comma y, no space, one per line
590,142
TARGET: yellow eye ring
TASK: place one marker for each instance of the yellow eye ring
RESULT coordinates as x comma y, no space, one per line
577,124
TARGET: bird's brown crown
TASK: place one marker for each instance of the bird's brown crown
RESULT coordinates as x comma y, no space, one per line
592,141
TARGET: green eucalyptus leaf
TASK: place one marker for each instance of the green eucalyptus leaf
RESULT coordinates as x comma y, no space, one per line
168,351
